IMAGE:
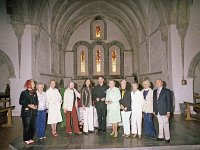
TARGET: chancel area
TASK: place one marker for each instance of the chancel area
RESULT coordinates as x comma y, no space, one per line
71,40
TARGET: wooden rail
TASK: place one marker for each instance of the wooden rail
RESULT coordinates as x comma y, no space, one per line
9,116
188,114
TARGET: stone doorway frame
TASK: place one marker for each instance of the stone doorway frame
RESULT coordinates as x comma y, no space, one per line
9,64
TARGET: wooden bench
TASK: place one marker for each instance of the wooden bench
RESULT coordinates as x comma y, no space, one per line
9,115
188,114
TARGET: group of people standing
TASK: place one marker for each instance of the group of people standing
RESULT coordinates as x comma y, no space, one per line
112,104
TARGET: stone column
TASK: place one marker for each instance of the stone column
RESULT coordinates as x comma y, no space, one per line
164,28
182,26
35,38
19,31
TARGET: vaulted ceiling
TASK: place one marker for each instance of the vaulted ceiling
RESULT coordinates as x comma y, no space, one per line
67,15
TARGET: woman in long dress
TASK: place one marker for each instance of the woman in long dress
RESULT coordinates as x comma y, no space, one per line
112,100
54,101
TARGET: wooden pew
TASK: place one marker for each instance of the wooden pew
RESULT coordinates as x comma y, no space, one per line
188,114
9,116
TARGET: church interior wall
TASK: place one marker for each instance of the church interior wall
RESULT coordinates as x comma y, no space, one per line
54,62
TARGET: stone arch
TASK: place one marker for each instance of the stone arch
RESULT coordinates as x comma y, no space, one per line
193,64
4,57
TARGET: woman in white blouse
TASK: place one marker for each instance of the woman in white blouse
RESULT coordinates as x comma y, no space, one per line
41,114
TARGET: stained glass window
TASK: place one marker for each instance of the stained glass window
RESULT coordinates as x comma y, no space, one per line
83,61
98,31
114,61
98,60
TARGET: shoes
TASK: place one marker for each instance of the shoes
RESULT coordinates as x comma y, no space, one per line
31,142
104,132
54,134
79,133
167,141
112,133
160,139
139,136
134,135
90,131
27,142
115,135
123,135
127,136
99,132
85,133
69,132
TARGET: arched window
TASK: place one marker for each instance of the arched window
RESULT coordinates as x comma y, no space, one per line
98,29
82,61
98,60
114,60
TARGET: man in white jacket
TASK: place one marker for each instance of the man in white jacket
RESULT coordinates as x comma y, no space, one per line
136,105
70,107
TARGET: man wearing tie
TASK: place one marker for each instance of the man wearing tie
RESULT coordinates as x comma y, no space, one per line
162,107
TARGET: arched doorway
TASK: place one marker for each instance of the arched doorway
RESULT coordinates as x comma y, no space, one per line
6,70
194,72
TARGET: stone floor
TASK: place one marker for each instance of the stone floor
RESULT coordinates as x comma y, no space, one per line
185,135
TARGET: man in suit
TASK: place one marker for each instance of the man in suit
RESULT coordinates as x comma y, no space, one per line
162,107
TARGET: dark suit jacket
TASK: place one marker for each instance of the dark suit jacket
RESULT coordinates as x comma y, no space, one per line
163,103
126,101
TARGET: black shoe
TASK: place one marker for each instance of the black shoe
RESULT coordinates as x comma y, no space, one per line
103,132
160,139
167,141
99,132
90,131
85,133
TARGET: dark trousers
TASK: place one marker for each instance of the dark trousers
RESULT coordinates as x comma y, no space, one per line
41,123
72,116
101,113
149,129
29,122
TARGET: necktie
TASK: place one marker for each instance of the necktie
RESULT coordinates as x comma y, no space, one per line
158,93
145,94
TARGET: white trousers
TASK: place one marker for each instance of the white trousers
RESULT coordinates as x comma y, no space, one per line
88,118
163,122
95,118
126,121
136,123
